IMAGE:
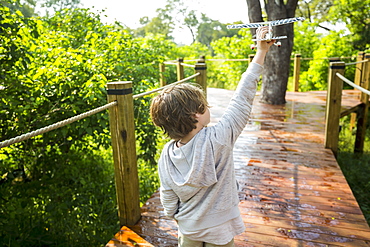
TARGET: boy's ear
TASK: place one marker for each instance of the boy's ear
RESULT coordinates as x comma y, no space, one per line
197,115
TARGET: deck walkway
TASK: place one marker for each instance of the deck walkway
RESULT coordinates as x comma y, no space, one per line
293,191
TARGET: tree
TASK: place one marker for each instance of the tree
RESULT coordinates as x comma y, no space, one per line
162,24
58,5
356,16
156,25
27,7
210,30
315,11
275,76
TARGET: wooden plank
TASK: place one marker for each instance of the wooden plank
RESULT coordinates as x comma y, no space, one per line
314,217
280,236
256,239
127,237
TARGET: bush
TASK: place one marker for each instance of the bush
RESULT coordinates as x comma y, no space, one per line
57,189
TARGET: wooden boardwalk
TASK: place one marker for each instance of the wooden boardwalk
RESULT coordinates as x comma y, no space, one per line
293,192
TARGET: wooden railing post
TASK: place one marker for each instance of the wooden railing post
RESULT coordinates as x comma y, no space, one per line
201,67
162,79
180,69
364,109
122,129
333,106
297,70
359,68
250,56
357,81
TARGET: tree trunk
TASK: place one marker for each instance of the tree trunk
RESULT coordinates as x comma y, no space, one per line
277,62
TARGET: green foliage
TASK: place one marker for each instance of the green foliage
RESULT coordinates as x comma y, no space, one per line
356,166
59,5
27,7
306,41
211,30
227,74
53,69
333,45
356,16
70,205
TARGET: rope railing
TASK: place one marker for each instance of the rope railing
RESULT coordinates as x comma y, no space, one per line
229,59
170,63
81,116
174,62
55,126
161,88
188,65
364,61
352,84
183,64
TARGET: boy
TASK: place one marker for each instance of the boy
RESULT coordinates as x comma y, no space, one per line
196,170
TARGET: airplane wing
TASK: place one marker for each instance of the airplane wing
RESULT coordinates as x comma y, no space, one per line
286,21
267,23
248,25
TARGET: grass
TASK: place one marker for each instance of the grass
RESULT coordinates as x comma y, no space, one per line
355,166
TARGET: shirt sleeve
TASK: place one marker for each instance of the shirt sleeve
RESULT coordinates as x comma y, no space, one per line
170,201
238,111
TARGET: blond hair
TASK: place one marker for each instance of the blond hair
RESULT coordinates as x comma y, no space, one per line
174,109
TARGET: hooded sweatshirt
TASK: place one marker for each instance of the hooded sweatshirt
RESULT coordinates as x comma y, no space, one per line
198,185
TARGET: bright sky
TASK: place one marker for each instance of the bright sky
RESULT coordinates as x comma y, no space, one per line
129,12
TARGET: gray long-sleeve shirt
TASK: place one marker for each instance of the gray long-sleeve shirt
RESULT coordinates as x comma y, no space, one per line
198,185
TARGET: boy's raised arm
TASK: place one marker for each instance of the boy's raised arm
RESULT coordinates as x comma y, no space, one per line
262,46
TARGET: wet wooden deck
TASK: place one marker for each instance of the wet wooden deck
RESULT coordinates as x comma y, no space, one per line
293,191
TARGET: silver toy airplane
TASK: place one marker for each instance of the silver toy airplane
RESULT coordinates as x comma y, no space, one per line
269,36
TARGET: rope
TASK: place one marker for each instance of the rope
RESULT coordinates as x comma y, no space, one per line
81,116
170,85
188,65
170,63
352,84
364,61
55,126
229,60
183,64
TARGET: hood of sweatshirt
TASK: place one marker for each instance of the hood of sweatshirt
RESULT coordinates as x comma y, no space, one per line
190,167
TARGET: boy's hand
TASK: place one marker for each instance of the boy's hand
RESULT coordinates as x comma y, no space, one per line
262,46
260,34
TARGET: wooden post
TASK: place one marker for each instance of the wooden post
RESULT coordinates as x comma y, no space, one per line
364,109
122,129
358,78
359,68
250,56
333,106
201,67
297,70
365,79
180,69
162,69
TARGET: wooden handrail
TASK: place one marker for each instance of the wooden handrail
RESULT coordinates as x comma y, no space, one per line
333,107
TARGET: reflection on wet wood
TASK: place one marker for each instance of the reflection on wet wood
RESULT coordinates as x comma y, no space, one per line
127,237
293,192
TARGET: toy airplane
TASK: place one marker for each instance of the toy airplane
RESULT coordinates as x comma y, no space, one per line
269,36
